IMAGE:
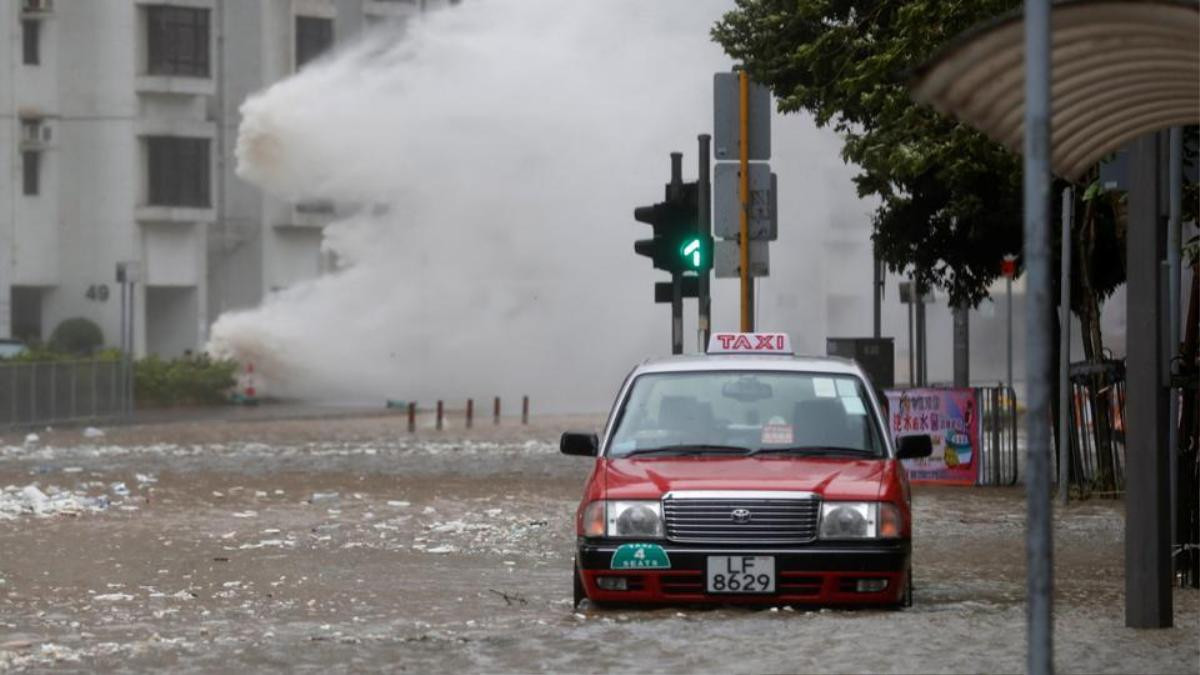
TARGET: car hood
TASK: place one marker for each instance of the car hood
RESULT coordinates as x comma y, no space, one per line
832,477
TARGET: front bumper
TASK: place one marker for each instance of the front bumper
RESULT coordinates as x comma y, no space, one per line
822,573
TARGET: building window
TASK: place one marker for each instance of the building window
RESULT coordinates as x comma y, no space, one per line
178,170
31,164
31,35
177,41
313,36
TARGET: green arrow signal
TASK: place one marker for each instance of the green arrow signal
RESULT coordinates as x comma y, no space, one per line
693,249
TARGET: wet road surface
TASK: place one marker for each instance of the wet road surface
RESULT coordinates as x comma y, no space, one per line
347,544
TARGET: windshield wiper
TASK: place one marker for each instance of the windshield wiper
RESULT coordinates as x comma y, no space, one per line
815,450
691,449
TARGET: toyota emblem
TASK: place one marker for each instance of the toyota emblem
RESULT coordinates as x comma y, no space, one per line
740,516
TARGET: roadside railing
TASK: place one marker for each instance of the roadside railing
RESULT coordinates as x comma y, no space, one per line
997,435
54,392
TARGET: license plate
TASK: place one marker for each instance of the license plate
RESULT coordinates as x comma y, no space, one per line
741,574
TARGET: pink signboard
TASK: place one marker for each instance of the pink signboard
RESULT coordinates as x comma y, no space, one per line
951,418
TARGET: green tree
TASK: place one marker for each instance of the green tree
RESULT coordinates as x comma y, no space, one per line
950,198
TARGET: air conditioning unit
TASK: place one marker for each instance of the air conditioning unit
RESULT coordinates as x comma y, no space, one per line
39,6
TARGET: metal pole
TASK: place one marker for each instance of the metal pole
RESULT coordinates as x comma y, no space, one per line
962,346
1175,204
673,190
440,412
1148,599
747,323
676,313
470,411
1008,291
1038,541
124,326
704,222
132,367
922,366
912,348
1064,349
877,292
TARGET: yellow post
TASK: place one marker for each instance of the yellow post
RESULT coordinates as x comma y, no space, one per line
744,197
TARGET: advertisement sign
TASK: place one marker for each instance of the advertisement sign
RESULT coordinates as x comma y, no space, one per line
950,417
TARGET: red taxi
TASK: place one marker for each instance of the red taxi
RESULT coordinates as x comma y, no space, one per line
745,475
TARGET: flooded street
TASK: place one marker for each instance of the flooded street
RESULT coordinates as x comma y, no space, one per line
350,544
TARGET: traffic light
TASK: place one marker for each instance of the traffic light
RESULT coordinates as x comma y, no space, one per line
677,245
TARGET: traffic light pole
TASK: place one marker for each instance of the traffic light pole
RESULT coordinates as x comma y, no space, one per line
747,289
673,189
704,222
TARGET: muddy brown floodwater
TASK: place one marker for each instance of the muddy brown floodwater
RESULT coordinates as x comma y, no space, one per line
349,544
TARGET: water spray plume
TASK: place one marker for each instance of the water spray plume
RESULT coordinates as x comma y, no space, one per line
489,157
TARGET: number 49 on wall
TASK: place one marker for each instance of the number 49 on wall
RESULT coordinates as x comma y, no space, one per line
97,292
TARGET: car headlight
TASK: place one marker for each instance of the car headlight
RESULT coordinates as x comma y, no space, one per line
860,520
634,519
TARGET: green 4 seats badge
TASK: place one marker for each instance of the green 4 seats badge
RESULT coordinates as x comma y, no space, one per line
640,557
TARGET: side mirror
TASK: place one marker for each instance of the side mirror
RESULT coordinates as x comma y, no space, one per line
913,447
579,443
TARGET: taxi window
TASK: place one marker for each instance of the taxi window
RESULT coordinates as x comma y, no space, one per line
726,411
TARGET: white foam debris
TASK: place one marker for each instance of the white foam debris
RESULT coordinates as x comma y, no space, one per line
113,597
120,489
93,432
30,500
145,478
398,503
31,439
269,543
245,514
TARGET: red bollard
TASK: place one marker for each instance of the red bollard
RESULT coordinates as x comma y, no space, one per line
412,417
439,415
470,411
525,410
496,411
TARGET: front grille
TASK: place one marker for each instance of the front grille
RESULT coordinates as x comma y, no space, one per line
711,520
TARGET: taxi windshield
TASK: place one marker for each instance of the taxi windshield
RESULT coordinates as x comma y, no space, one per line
732,412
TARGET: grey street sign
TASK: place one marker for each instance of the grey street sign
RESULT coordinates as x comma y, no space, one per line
726,127
727,207
908,296
727,259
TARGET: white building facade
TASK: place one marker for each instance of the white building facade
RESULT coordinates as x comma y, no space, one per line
119,118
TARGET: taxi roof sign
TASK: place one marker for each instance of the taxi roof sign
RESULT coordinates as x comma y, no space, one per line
750,343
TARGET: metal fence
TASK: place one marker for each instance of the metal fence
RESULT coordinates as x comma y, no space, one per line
62,391
1097,452
997,436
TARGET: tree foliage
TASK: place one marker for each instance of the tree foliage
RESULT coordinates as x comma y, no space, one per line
77,336
950,198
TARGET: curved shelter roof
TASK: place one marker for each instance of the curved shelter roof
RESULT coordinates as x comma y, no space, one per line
1118,70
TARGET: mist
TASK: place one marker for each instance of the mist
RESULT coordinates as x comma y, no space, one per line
488,162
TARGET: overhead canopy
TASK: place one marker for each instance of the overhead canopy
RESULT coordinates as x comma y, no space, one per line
1118,70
